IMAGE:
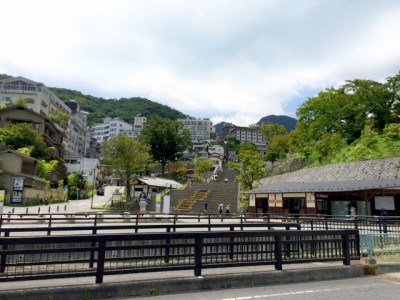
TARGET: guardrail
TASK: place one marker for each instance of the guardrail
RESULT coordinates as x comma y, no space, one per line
118,228
27,258
366,224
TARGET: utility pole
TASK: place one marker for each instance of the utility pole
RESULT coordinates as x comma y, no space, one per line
94,181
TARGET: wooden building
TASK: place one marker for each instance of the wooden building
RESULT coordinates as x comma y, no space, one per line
357,188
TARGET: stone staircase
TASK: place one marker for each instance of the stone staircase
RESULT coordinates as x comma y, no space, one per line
186,204
219,192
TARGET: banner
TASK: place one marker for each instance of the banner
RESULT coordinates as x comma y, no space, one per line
2,193
18,189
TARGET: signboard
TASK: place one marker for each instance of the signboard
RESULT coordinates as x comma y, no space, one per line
166,204
384,202
158,198
2,193
18,189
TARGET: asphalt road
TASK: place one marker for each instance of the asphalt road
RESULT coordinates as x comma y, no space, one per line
364,288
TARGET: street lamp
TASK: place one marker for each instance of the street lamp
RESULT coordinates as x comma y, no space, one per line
94,179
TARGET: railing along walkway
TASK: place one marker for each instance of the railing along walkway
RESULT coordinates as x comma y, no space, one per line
27,258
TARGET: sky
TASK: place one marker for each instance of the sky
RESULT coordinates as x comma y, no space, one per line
228,60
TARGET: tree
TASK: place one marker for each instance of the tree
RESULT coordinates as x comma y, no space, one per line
59,117
126,158
251,166
176,169
201,166
77,185
22,135
232,142
269,131
167,139
44,168
277,149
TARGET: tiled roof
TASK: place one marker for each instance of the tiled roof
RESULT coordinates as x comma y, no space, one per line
353,176
361,170
328,186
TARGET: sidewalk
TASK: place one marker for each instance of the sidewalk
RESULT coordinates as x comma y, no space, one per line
141,284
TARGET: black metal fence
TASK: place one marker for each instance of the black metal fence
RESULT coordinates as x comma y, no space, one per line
130,228
26,258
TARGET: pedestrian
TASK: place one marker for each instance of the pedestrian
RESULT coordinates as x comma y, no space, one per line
228,210
205,207
46,199
220,209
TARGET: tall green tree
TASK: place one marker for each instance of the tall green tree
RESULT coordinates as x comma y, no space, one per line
201,166
167,139
277,149
251,166
270,131
126,158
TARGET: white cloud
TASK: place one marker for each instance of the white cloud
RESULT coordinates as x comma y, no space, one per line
228,60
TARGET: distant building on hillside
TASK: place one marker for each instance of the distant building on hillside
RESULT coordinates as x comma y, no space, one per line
38,97
77,130
139,122
200,129
242,134
111,127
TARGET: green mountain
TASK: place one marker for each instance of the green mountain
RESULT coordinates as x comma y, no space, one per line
288,122
123,108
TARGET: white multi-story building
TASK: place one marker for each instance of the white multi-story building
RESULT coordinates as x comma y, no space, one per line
111,127
89,167
139,122
77,130
137,128
242,134
200,129
38,97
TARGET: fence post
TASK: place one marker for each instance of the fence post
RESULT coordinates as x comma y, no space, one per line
198,253
3,257
278,252
346,249
93,244
49,227
175,217
167,247
101,254
385,230
137,223
231,240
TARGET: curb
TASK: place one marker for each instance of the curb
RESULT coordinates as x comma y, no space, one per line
166,286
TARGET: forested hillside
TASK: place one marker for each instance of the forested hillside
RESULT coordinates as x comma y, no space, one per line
288,122
124,108
356,121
